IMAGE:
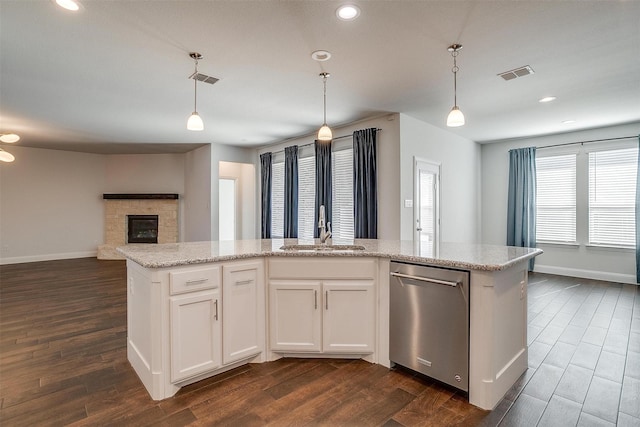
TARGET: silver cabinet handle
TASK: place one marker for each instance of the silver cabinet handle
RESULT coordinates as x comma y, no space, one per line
216,304
425,279
243,282
326,300
194,281
315,296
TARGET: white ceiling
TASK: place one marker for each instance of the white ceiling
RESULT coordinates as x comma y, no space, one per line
114,77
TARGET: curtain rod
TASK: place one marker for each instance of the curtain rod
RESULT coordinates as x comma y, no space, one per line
586,142
311,143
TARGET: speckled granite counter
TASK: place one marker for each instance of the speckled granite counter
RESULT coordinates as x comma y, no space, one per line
456,255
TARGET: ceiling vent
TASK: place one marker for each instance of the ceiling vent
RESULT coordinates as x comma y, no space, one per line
203,78
518,72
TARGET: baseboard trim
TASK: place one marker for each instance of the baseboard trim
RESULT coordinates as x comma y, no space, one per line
586,274
48,257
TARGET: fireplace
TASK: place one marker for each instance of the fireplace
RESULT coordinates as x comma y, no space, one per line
142,228
154,217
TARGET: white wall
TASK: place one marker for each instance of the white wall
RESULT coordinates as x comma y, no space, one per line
224,153
51,205
245,209
459,177
581,261
148,173
197,195
388,169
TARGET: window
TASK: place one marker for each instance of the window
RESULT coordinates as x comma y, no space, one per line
277,200
342,194
612,195
306,197
556,198
342,220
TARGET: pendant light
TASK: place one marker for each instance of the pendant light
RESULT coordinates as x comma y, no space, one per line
324,133
455,118
195,121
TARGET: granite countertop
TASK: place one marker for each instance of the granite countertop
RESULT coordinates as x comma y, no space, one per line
457,255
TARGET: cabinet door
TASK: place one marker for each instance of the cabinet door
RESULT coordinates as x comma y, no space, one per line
195,333
295,315
242,314
349,316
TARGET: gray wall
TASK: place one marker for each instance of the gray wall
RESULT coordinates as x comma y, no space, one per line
459,179
578,261
388,169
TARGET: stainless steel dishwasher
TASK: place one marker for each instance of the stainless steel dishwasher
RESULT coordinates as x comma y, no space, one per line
429,321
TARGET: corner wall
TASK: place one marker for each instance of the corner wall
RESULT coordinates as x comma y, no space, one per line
459,177
616,265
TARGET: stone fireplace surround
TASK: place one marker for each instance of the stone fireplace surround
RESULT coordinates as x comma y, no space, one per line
118,206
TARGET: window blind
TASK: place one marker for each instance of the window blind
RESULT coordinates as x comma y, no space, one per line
277,200
306,197
612,191
556,199
342,194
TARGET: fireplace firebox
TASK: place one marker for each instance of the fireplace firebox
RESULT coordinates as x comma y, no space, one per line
142,228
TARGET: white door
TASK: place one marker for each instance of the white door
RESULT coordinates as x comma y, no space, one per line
427,205
295,314
349,316
241,325
227,209
195,333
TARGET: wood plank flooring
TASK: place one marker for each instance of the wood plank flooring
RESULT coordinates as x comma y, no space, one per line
63,362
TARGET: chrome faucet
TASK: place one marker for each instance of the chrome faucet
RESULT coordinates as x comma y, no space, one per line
325,230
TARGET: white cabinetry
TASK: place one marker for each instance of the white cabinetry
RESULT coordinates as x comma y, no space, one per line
335,313
243,314
186,323
195,334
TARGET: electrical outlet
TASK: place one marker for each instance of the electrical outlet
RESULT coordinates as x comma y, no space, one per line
408,203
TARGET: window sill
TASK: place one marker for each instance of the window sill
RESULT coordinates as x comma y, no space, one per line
562,244
611,248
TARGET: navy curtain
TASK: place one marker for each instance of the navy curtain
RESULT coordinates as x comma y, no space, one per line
291,192
323,182
365,193
521,203
265,175
638,216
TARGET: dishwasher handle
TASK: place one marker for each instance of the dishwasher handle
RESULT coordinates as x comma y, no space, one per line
425,279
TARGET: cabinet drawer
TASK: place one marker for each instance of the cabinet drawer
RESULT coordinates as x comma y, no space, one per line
195,279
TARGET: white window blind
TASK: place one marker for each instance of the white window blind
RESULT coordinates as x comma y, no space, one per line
342,194
612,192
306,197
556,198
277,200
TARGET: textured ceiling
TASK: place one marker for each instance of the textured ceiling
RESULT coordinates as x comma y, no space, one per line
114,77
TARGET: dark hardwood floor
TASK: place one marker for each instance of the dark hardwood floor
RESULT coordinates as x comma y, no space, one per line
63,362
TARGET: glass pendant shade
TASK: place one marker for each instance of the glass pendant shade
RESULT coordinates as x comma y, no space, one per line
6,157
195,122
324,133
455,117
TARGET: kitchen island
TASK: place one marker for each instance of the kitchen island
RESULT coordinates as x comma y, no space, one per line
198,309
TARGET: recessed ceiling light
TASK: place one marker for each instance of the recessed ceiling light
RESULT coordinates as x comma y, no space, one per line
348,12
547,99
568,122
71,5
321,55
9,138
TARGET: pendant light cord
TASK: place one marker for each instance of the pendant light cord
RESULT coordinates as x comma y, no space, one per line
455,80
324,82
195,88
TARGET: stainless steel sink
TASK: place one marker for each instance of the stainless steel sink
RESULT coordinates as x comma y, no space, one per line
322,248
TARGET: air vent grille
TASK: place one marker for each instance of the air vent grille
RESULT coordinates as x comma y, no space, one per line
203,78
518,72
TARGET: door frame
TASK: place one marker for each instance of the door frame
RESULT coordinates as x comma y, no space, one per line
435,167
